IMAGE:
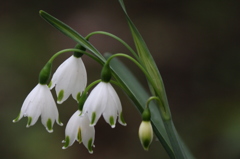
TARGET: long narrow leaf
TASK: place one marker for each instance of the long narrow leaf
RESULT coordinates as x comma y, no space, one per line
67,30
148,62
139,96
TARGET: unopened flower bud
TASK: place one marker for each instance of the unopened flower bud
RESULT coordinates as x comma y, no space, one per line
145,130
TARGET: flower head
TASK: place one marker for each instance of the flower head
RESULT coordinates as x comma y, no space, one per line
104,100
40,102
78,129
69,78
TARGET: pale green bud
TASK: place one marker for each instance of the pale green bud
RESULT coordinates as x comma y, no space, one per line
145,134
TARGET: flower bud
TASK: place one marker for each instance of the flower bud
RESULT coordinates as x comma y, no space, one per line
145,130
145,134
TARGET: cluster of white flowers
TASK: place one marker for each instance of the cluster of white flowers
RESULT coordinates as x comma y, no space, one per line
71,78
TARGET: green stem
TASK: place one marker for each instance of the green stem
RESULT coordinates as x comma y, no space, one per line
165,110
73,50
91,85
115,37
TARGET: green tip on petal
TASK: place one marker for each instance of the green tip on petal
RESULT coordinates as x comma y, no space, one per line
93,119
66,141
50,84
17,118
79,136
49,126
111,121
59,122
122,121
29,121
60,96
90,144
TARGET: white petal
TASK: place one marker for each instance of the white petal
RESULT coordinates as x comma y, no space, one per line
72,127
58,73
110,111
80,80
49,109
32,104
88,133
113,95
96,102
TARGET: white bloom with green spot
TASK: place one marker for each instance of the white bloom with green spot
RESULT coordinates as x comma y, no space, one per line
103,100
69,78
78,129
40,102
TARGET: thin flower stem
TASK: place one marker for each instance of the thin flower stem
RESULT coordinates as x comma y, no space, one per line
91,85
163,111
74,50
115,37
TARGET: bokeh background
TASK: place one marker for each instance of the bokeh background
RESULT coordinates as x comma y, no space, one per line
195,45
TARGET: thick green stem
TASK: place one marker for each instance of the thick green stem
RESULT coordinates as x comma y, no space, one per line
115,37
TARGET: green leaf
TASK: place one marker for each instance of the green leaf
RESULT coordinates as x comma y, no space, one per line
157,86
145,55
67,30
136,92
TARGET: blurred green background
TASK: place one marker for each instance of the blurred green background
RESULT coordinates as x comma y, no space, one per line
195,45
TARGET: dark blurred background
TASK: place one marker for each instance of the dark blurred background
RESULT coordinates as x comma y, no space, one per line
195,45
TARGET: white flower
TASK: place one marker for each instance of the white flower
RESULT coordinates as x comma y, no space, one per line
78,129
40,102
69,78
104,100
145,134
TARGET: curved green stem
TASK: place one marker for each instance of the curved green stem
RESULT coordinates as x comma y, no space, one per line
91,85
115,37
130,58
163,110
73,50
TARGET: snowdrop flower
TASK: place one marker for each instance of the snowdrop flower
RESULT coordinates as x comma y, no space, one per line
78,129
40,102
69,78
104,100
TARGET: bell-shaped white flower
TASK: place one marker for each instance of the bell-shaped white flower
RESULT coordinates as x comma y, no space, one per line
104,100
69,78
40,102
78,129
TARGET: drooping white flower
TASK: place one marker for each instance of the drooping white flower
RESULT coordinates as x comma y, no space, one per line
40,102
69,78
104,100
78,129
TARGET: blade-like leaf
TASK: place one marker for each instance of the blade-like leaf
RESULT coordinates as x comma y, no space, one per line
67,30
149,64
145,55
139,96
